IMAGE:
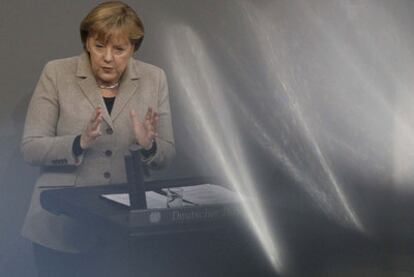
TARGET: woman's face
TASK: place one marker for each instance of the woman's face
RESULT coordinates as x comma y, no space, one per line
109,60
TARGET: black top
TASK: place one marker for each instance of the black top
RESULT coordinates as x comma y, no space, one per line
109,103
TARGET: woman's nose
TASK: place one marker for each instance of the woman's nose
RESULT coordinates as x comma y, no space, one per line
108,57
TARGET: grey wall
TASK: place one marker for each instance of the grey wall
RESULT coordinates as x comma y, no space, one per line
308,97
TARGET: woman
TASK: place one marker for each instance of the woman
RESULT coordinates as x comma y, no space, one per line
84,114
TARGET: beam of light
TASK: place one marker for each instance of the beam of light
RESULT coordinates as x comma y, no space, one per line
400,78
326,168
395,74
264,139
266,45
200,76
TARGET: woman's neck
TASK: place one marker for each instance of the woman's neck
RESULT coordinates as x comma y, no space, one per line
109,92
104,85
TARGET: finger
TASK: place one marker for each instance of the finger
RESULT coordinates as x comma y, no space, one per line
154,135
147,120
134,116
96,114
97,132
135,119
151,117
96,124
99,111
98,118
148,115
156,119
151,128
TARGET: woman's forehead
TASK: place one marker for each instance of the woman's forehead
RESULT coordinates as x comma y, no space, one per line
114,35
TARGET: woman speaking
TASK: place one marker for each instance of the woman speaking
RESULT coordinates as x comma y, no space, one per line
85,113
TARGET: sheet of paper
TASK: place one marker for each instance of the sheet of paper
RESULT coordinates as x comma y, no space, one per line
154,200
207,194
204,194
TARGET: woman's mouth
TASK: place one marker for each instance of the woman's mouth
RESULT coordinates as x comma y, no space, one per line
107,69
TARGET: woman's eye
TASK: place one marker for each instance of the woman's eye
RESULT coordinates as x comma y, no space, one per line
98,45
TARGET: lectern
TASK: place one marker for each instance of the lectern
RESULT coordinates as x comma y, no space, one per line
206,234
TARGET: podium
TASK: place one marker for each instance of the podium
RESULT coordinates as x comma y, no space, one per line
193,240
87,204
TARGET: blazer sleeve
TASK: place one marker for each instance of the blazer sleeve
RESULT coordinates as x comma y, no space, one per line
40,143
165,140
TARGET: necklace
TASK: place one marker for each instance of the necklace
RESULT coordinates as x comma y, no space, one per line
109,87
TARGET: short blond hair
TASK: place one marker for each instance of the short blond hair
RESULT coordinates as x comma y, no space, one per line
110,18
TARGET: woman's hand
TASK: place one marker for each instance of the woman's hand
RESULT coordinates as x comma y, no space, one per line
93,129
145,132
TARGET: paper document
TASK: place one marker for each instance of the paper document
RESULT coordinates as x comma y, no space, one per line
204,194
208,194
154,200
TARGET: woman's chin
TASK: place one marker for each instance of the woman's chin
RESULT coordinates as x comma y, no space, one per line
108,79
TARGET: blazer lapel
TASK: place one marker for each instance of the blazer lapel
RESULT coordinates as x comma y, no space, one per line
128,88
89,88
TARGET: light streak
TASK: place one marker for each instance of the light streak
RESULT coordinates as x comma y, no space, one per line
225,145
283,76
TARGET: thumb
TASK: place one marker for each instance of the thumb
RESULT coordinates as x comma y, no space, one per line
134,117
133,114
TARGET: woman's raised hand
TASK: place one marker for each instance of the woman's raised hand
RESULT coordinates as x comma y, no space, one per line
92,130
145,132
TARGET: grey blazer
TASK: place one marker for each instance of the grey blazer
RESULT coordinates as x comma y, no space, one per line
62,103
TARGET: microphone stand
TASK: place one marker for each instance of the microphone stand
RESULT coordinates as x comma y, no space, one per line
135,176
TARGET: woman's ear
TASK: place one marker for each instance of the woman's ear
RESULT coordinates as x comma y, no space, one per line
87,45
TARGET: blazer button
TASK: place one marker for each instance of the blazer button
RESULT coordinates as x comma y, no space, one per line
109,131
107,175
108,153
